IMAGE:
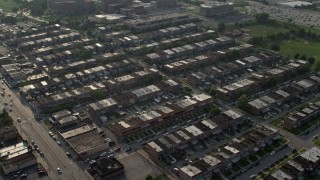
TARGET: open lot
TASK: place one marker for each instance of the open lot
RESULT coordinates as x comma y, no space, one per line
134,161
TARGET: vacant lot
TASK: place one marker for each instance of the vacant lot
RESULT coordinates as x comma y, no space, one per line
134,161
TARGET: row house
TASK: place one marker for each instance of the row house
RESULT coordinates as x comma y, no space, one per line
31,33
299,167
284,94
37,78
39,29
196,37
168,32
181,139
49,41
47,58
95,48
71,67
183,51
132,80
171,113
257,81
232,91
189,64
308,85
299,118
43,35
266,103
227,155
136,96
221,70
68,97
112,69
113,35
155,22
243,49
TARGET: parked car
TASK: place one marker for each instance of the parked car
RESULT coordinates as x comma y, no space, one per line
59,170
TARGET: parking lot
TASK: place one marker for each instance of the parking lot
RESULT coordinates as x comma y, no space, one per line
286,14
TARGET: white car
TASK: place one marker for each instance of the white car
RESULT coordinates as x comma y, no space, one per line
59,170
253,176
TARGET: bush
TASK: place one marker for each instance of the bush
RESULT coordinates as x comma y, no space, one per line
275,47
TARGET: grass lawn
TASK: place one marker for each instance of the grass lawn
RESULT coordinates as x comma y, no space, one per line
8,4
300,46
265,29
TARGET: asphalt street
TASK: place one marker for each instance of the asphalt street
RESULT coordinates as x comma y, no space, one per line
30,129
264,163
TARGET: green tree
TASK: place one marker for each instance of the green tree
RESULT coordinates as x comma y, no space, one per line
303,57
233,54
316,65
297,55
5,119
221,27
99,94
243,102
149,177
311,60
85,54
256,40
214,110
301,32
187,89
9,19
262,17
275,47
210,91
271,82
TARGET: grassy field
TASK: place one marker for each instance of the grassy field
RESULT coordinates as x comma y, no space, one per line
300,46
288,48
8,4
264,30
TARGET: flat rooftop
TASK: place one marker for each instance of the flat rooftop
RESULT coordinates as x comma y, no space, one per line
87,141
